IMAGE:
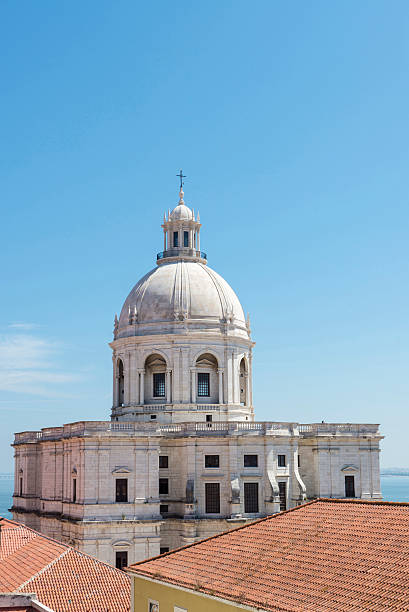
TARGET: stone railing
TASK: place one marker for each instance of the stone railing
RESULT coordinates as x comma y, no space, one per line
338,429
174,407
214,428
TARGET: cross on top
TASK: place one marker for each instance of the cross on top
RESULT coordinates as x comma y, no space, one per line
181,176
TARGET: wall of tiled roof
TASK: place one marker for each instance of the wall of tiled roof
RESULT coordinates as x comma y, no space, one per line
62,577
336,555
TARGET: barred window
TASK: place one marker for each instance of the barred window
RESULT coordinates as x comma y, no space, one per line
185,239
163,508
175,239
251,497
281,460
212,494
163,486
282,486
121,559
121,490
250,460
203,384
163,461
349,486
159,384
212,461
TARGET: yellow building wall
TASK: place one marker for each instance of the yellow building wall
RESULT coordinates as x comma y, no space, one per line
169,597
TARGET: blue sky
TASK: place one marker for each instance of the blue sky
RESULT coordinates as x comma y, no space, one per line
291,123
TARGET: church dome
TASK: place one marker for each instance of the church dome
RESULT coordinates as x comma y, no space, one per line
178,295
181,212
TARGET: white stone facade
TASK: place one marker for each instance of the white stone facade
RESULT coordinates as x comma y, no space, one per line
182,457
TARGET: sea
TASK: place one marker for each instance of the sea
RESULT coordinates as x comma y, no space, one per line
394,488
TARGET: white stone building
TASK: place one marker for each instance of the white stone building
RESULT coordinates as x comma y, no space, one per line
182,456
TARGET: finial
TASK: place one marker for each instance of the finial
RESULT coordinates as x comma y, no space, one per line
181,194
198,216
116,324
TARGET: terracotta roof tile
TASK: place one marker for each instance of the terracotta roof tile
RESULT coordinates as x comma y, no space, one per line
61,576
333,555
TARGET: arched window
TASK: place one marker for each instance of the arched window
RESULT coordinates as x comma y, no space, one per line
155,379
207,387
120,382
243,379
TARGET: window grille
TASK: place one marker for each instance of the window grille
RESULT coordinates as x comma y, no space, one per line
163,508
281,460
121,559
250,460
212,494
159,384
349,486
251,497
121,490
163,486
163,461
175,239
212,461
203,384
185,239
282,486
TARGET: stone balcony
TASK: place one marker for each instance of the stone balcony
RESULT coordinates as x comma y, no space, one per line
230,428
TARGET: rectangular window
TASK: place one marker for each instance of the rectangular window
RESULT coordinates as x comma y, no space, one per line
251,497
282,486
163,486
349,486
21,487
185,239
74,490
163,461
175,239
298,460
121,490
212,461
159,384
281,460
212,494
203,384
250,460
164,549
121,559
163,508
209,418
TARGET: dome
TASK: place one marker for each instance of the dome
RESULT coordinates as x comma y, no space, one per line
181,212
181,295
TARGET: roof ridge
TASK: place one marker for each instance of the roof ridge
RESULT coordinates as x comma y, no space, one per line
42,570
67,546
357,500
223,533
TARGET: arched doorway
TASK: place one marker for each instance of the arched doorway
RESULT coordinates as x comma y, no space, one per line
155,379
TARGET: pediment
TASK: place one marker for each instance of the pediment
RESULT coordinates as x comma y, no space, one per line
350,468
205,363
122,543
121,469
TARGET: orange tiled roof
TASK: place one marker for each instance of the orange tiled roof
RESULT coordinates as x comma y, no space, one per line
62,577
338,555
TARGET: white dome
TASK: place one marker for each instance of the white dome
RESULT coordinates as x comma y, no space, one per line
181,212
179,294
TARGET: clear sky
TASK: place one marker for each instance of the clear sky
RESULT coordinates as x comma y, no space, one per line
290,120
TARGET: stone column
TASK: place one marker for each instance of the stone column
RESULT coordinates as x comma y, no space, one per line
142,387
220,372
168,387
198,240
193,389
164,240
